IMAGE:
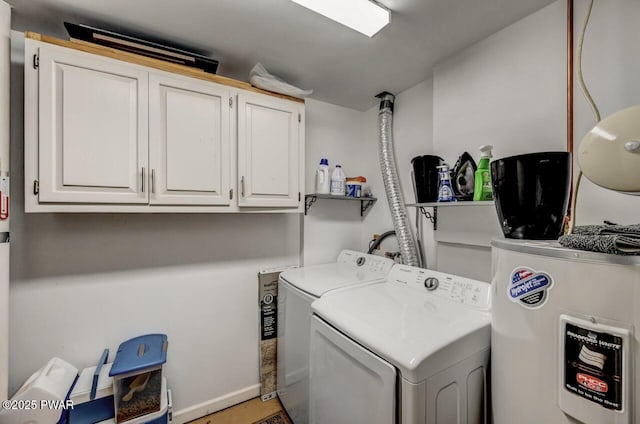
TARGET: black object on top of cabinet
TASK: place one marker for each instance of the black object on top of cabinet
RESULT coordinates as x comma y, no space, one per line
425,176
531,194
142,47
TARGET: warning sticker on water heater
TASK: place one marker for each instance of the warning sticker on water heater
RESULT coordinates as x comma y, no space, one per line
593,366
529,288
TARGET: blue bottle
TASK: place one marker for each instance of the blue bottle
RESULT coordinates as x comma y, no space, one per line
445,191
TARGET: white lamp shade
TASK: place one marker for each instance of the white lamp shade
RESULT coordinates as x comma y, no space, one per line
609,155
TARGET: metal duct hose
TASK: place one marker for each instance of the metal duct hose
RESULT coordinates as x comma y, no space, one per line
406,242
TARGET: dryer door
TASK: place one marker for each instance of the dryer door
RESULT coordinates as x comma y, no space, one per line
348,384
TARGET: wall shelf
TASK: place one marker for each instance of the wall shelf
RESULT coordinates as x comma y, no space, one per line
365,202
433,217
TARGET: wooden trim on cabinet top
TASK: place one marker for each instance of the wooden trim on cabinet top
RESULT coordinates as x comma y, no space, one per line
99,50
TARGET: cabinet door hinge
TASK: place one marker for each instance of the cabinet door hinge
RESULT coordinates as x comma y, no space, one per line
36,61
230,101
36,187
299,117
231,194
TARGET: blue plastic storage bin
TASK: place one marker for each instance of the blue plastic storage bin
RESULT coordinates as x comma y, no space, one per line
138,375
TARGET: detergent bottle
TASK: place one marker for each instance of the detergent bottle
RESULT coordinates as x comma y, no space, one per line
338,180
445,191
323,181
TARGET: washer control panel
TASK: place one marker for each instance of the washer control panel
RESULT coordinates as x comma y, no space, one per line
366,262
463,290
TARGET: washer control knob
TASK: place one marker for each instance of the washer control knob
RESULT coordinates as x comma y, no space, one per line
632,146
360,261
431,283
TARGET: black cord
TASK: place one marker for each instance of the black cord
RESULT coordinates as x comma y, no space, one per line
373,244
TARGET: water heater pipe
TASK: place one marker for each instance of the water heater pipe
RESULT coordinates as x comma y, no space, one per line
406,242
569,219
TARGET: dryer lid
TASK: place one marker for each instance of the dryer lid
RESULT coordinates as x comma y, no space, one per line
351,268
419,332
318,279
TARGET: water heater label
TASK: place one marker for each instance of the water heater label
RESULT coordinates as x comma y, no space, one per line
529,288
593,366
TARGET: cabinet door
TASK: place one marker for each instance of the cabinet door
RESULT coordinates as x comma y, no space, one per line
188,141
268,151
92,129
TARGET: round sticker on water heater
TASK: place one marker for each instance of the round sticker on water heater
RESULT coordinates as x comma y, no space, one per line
529,288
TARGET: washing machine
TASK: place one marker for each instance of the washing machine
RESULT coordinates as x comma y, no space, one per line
297,289
412,349
565,336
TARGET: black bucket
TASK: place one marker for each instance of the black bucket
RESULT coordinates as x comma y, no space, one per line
531,193
425,174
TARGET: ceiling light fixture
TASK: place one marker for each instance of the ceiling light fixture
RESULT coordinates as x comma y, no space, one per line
363,16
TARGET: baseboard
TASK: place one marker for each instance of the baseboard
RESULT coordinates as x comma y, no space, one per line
214,405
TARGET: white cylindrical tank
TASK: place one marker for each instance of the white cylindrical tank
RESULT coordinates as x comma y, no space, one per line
565,343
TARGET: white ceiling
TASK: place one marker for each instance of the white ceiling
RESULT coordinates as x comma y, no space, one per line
342,66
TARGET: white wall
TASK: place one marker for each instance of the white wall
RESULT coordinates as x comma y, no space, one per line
335,133
507,90
412,136
83,282
497,92
611,66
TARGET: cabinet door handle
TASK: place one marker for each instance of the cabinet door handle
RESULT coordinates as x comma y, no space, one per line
144,177
153,181
242,186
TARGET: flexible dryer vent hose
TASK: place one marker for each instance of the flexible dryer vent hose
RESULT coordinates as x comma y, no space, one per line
406,242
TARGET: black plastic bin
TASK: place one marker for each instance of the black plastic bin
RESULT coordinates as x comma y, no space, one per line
425,173
531,194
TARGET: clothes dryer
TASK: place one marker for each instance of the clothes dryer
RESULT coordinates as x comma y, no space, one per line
412,349
297,289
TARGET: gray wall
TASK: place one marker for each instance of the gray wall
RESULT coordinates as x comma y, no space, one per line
508,90
83,282
611,66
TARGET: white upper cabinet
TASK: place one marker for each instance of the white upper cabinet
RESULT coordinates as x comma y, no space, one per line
189,141
92,129
268,151
107,131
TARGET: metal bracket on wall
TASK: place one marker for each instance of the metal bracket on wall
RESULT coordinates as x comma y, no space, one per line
309,200
366,203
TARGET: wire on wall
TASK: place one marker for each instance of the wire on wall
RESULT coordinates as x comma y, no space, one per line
570,76
583,86
568,218
592,104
